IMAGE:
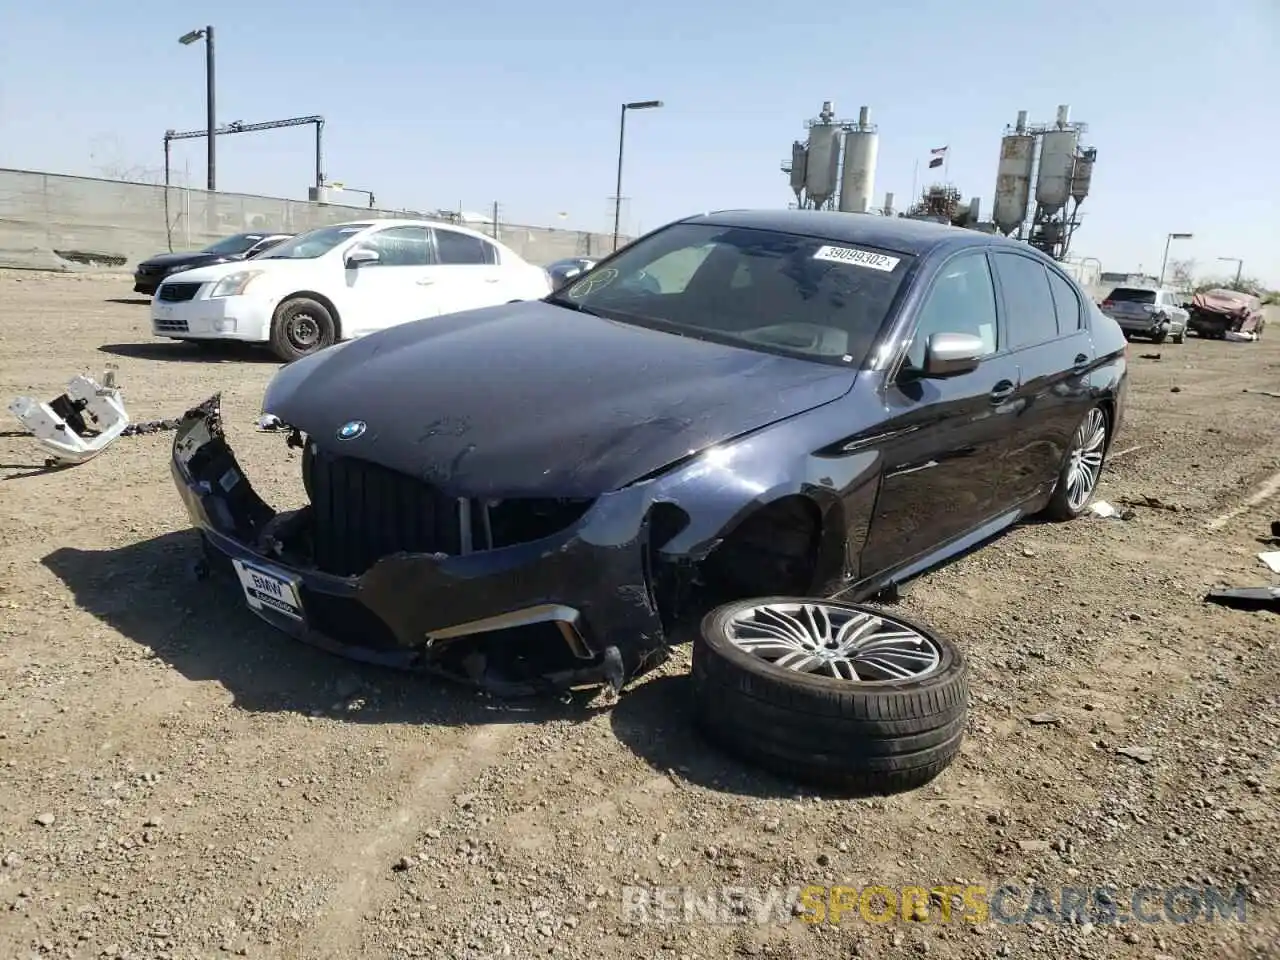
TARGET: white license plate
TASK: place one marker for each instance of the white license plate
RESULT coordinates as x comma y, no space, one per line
265,590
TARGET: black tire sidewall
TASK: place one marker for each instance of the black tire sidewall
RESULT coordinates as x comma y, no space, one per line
280,343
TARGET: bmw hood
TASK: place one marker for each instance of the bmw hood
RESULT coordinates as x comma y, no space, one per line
531,399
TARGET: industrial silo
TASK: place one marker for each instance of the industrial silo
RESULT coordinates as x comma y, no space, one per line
1057,164
799,164
822,167
858,178
1082,175
1013,177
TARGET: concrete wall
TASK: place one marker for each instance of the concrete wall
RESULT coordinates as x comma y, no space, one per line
55,222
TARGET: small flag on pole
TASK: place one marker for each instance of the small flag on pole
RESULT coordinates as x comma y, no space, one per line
939,155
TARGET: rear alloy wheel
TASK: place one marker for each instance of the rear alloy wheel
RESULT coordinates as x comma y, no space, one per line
1079,477
300,327
830,693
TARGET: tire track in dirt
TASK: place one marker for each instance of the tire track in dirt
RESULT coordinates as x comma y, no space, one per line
366,855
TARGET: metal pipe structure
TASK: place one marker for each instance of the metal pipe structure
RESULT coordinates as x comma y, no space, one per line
211,113
622,135
1239,266
239,127
1169,238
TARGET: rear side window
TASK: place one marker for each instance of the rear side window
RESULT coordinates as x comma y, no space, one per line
1066,302
1131,295
1030,314
460,248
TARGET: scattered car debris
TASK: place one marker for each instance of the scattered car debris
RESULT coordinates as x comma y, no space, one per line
830,692
1149,356
76,425
1272,559
1149,502
1246,598
1141,754
1106,511
1044,720
82,422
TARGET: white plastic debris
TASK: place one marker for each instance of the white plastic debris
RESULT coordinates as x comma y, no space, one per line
1100,508
77,425
1272,559
1240,336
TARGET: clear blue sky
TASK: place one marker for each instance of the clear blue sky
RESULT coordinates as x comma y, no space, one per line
433,105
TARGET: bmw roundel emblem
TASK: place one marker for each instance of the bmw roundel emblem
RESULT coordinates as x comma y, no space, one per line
351,430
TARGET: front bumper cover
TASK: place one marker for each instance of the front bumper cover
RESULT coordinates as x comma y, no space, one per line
407,610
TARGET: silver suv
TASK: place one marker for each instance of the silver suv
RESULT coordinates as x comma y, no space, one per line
1152,312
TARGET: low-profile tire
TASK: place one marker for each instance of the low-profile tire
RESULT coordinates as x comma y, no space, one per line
1083,466
772,680
300,327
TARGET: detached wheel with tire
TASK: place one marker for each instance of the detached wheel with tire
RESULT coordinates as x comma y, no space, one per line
300,327
1079,477
830,693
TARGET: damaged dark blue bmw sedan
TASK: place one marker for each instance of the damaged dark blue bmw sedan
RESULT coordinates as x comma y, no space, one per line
738,404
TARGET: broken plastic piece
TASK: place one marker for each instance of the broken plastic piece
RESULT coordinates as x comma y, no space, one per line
1272,559
1247,598
1100,508
77,425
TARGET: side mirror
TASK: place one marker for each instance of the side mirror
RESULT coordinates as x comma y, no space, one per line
560,276
951,354
362,255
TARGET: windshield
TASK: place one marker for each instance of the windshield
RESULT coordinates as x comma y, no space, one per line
238,243
1132,295
313,243
770,291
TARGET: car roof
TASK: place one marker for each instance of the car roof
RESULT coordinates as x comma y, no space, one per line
415,222
900,234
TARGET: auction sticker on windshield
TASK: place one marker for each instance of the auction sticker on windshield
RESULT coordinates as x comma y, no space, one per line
268,591
858,258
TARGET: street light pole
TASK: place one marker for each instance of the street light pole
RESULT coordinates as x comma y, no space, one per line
186,40
1169,238
1239,267
622,136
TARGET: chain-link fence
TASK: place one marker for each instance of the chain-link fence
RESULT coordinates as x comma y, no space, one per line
59,222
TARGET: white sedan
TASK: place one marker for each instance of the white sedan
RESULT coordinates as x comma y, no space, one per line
343,281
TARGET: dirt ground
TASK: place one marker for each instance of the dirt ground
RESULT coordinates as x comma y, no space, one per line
179,780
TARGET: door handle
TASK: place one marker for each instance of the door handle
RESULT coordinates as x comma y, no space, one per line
1080,363
1002,391
425,283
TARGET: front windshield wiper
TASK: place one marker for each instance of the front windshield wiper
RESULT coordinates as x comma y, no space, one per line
560,301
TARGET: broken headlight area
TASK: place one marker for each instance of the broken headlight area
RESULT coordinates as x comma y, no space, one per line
385,567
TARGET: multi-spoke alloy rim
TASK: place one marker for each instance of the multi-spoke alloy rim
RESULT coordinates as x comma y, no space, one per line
836,642
1086,459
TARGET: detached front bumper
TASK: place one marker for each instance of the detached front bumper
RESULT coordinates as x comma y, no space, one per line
409,610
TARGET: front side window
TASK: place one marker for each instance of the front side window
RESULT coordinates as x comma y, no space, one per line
962,300
407,246
460,248
1030,316
313,243
760,289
